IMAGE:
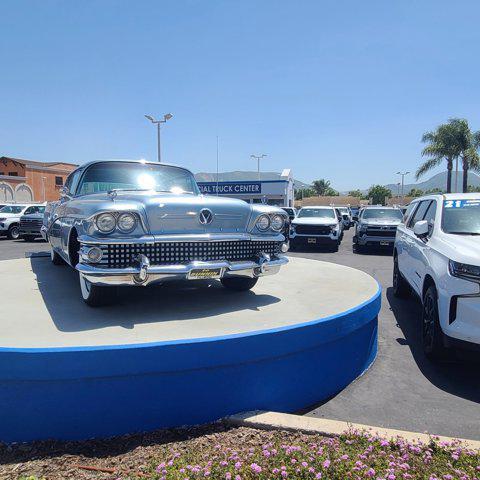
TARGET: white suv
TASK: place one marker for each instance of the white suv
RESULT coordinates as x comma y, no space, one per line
437,256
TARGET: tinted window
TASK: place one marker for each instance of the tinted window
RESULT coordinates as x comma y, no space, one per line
383,214
419,213
461,217
12,209
430,216
408,211
106,176
317,212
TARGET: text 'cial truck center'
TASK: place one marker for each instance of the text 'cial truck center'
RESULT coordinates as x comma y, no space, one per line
271,191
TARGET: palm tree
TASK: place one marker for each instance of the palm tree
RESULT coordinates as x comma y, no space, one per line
442,145
321,186
468,143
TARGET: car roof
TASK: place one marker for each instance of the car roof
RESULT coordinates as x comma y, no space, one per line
449,196
128,160
319,206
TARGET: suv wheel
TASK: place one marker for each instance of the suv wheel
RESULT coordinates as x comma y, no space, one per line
432,335
401,288
13,232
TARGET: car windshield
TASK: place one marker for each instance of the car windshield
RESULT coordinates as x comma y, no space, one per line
107,176
343,210
382,214
36,209
461,217
317,212
12,209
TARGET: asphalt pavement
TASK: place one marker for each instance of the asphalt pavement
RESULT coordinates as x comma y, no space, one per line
402,389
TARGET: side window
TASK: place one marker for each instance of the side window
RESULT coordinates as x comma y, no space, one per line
408,211
72,181
29,210
430,217
419,213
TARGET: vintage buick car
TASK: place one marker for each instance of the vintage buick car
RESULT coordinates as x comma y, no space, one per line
135,222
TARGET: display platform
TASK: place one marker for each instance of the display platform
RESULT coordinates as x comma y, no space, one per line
180,354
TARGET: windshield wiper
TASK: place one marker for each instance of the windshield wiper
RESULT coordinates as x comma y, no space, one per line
464,233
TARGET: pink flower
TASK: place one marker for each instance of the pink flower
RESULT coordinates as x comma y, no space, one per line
238,465
344,457
228,476
256,468
318,475
326,464
370,472
284,474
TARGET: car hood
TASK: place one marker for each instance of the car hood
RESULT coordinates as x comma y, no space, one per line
461,248
33,216
10,215
314,221
168,213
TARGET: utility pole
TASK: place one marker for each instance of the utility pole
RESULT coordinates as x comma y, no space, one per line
403,174
258,158
166,117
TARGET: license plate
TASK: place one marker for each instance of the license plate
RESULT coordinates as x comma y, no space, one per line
385,243
205,273
312,240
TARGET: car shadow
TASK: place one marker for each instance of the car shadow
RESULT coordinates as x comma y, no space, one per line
458,374
60,290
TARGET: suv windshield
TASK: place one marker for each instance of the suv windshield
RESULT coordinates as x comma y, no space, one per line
317,212
382,214
106,176
12,209
461,217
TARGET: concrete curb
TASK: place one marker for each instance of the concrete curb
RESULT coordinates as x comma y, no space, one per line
284,421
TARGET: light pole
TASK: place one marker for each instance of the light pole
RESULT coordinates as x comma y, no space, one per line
258,158
166,117
403,182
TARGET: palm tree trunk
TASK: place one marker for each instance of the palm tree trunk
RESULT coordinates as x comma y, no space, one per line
449,174
465,175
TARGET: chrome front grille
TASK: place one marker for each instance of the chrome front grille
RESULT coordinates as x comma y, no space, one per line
175,253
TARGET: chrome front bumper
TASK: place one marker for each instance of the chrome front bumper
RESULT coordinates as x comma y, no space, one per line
148,274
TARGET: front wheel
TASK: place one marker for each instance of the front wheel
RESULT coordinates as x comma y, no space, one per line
240,284
432,335
13,232
96,296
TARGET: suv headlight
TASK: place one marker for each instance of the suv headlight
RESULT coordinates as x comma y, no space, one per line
277,222
126,222
106,222
263,222
463,270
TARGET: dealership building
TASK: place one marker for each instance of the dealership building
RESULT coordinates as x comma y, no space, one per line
272,191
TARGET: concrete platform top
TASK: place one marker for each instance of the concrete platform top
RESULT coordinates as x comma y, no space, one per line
42,307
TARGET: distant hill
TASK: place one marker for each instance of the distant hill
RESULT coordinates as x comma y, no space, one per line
243,176
438,181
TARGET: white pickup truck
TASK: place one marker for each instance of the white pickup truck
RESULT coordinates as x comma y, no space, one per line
437,256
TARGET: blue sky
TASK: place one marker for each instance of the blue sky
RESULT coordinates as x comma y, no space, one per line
336,89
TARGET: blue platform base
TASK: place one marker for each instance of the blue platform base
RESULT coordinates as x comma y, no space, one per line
79,393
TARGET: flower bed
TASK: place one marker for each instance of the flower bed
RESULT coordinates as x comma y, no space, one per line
242,453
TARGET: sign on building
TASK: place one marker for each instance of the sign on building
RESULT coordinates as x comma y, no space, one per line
230,188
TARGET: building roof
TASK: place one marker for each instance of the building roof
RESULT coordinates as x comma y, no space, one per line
35,163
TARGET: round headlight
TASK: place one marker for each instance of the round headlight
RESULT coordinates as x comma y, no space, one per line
106,222
126,222
263,222
278,222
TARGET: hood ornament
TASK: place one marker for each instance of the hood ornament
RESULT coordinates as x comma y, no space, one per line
205,216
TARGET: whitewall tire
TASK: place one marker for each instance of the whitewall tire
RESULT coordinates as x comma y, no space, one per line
94,295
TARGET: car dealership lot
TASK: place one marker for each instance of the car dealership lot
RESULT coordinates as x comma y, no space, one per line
402,389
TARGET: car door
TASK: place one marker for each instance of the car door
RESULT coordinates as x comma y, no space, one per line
402,241
415,247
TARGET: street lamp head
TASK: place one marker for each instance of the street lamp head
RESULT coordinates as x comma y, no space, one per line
167,116
149,117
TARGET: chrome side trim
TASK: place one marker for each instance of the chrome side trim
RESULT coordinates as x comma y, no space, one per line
203,237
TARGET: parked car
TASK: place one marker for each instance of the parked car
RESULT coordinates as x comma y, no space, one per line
340,222
346,217
437,257
376,227
355,211
291,212
31,223
315,226
137,223
10,219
